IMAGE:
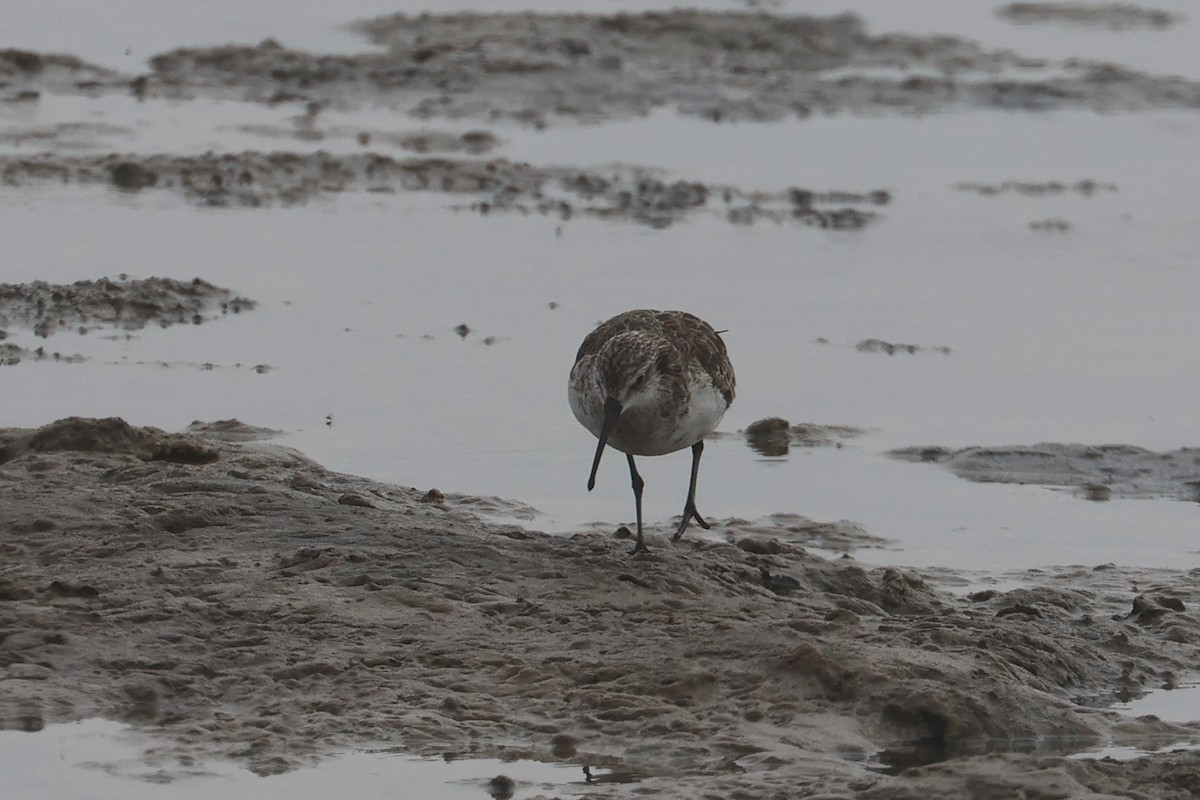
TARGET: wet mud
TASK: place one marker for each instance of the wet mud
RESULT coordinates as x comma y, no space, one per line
774,436
253,179
1109,16
1085,188
724,67
25,75
240,601
1094,472
874,345
123,303
12,354
546,69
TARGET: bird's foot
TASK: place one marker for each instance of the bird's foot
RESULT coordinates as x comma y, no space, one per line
689,513
640,547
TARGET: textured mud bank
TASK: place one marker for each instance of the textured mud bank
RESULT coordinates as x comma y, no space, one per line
41,309
718,66
1096,472
253,179
240,601
1109,16
543,68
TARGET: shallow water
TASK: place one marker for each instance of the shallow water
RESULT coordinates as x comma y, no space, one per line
1180,704
99,760
1086,335
1054,337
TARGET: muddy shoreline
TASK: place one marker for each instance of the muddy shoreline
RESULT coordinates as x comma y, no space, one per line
239,601
558,69
235,600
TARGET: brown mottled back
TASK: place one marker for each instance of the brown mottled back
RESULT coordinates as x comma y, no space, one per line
693,338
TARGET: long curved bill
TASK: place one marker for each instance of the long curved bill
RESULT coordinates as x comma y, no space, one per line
612,410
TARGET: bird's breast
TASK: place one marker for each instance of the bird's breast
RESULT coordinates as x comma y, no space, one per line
655,430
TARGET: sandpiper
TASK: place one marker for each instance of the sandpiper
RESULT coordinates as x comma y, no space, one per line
650,383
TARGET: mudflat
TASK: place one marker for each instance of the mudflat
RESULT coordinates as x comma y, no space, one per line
243,602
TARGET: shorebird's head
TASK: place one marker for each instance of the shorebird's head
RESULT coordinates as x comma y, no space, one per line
631,368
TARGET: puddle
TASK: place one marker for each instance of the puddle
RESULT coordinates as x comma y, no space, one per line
1130,752
894,760
901,756
104,760
1181,704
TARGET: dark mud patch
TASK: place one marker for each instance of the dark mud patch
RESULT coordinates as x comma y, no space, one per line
252,179
202,366
232,430
1084,188
892,348
720,66
74,135
1050,225
124,303
774,436
25,74
246,609
12,354
112,436
1108,16
1041,189
1094,472
306,128
777,533
471,142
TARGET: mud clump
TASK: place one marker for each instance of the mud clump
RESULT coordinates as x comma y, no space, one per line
472,142
132,176
769,436
892,348
1051,225
112,436
12,354
124,303
25,74
21,62
773,436
231,430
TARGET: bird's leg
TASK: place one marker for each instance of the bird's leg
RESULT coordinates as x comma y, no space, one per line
689,508
638,483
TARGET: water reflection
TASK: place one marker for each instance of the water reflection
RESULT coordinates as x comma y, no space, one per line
106,760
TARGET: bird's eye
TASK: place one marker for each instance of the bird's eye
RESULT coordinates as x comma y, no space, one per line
640,381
